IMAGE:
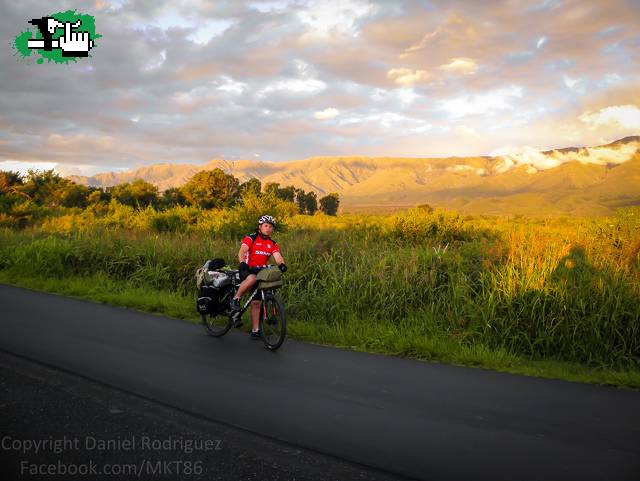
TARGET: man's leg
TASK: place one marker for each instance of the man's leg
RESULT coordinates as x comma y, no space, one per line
245,285
235,302
255,315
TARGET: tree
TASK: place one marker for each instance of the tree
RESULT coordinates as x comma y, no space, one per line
300,200
10,181
329,204
272,188
137,194
11,190
311,203
42,187
72,195
172,197
97,195
287,193
211,189
252,185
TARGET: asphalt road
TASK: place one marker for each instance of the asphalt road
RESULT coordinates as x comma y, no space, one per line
421,420
152,441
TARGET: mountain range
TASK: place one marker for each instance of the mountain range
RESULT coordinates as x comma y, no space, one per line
570,181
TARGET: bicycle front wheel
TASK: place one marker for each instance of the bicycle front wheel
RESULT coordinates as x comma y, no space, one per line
273,323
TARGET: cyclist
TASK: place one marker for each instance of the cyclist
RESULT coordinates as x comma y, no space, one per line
255,251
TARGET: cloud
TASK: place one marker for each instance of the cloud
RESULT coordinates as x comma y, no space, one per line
481,104
626,116
512,157
327,114
407,77
183,81
454,28
467,131
334,17
535,160
462,65
576,84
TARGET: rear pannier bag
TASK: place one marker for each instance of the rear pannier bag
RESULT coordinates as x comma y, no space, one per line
208,283
217,279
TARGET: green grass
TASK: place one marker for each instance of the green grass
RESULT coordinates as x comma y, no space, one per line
102,289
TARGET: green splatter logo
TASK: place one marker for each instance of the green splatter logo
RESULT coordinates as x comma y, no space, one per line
59,37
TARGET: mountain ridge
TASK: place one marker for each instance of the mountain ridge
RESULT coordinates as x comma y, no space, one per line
557,179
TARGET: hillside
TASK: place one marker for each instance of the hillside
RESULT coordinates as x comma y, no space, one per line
576,180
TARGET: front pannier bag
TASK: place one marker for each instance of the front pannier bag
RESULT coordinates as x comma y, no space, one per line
269,278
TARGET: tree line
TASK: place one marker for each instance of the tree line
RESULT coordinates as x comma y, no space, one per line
208,189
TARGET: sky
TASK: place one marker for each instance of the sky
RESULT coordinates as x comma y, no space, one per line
187,81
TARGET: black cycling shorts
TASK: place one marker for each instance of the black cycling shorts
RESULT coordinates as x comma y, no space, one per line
252,270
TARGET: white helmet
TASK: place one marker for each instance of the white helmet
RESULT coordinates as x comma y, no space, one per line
266,219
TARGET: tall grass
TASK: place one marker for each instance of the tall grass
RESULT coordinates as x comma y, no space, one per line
562,289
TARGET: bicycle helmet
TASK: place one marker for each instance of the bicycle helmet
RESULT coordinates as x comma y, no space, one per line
266,219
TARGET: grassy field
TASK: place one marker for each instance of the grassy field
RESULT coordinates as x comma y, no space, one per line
557,298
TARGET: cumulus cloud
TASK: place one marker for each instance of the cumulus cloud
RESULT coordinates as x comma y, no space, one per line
512,157
535,160
466,168
626,116
462,65
327,114
407,77
334,16
481,104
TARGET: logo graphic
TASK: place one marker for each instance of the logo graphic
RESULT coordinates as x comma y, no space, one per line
59,37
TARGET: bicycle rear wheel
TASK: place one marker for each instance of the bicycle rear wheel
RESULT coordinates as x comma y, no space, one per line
216,326
273,323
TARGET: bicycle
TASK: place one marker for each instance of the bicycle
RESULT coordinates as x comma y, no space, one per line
217,316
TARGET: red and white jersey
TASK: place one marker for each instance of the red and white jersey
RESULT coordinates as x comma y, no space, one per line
259,250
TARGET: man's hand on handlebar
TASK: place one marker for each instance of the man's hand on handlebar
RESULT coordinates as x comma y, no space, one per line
243,268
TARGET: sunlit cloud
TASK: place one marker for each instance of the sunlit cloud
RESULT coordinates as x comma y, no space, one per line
327,114
536,160
482,104
463,65
541,41
407,77
454,27
626,116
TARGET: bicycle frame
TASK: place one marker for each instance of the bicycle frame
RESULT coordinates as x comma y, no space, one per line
244,308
